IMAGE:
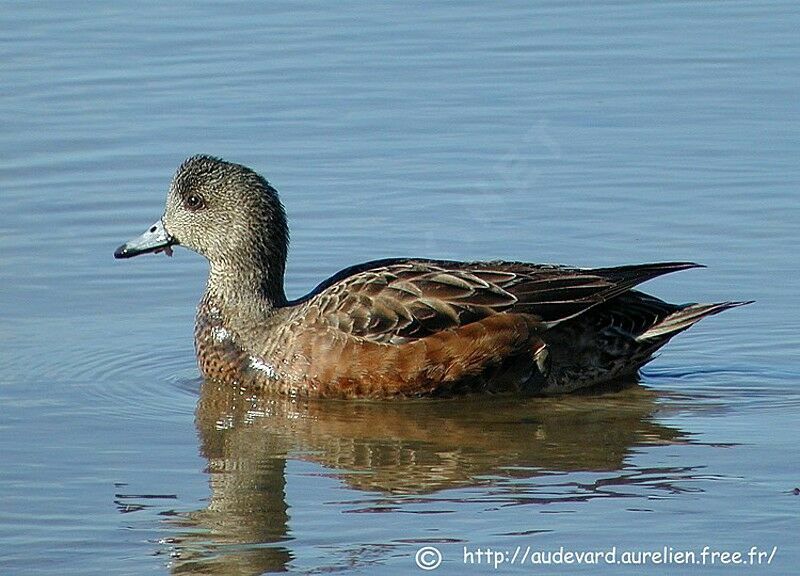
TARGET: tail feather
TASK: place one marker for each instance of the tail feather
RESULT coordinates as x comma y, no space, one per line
685,317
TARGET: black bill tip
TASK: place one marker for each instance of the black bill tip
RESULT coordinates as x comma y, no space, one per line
123,252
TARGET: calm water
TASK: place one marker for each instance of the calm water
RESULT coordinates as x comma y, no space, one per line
594,135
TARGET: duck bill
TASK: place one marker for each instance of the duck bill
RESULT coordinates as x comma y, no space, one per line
155,239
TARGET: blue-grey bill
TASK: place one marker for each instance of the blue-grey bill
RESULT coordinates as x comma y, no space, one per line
155,239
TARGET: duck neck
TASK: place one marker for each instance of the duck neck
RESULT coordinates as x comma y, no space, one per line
249,286
246,282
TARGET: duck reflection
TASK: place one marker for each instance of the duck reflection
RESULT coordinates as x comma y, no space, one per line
397,448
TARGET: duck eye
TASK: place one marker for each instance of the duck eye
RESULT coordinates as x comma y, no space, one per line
194,202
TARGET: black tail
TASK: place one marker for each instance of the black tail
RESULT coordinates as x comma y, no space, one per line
685,317
616,338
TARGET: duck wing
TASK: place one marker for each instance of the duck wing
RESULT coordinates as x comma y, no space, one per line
397,301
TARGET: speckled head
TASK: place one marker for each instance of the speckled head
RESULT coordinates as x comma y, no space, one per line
229,214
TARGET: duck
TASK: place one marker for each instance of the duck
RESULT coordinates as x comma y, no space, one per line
399,327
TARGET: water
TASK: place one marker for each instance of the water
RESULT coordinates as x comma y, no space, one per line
593,135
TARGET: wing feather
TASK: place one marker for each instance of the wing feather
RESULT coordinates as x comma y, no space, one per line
396,301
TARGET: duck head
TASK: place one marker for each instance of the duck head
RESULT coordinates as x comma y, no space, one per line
227,213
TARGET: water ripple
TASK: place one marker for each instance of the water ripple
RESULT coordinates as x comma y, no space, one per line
730,389
133,384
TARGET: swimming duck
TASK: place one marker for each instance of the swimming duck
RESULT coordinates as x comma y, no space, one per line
399,327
